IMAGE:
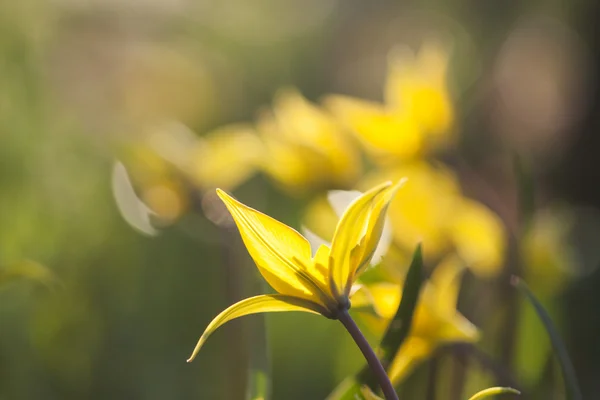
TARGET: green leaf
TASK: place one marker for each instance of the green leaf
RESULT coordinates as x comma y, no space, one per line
493,392
400,325
573,391
349,389
367,394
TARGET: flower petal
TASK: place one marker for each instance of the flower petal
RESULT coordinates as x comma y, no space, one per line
254,305
341,199
387,136
412,351
279,251
225,157
479,238
446,279
358,230
376,230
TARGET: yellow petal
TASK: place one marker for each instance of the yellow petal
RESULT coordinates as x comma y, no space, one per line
384,297
412,351
418,87
421,213
478,236
375,229
280,253
226,157
356,236
254,305
383,134
368,394
458,329
317,149
446,280
294,166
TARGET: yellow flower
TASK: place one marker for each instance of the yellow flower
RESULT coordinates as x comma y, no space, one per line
417,115
436,320
171,161
225,157
548,260
418,87
306,148
434,211
321,284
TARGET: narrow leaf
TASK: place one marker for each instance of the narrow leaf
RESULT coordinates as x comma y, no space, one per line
349,389
400,325
367,394
573,391
493,392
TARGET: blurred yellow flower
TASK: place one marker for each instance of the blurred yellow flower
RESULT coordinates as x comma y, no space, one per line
306,148
170,162
321,284
548,260
225,157
436,320
417,85
417,115
434,211
159,185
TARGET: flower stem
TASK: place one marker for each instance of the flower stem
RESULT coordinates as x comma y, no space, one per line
386,386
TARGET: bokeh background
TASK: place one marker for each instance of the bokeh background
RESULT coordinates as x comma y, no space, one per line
105,310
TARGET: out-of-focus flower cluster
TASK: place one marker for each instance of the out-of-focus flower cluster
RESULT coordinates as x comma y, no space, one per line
307,149
347,143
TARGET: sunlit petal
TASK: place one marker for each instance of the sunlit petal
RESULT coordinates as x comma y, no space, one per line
458,329
348,234
446,280
357,234
254,305
225,157
315,240
383,297
478,236
279,251
340,200
382,133
412,351
418,87
376,229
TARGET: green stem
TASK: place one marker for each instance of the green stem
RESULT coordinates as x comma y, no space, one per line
384,381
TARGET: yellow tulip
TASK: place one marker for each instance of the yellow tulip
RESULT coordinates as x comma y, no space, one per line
321,284
436,320
306,148
225,157
478,237
435,212
418,86
549,263
417,114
